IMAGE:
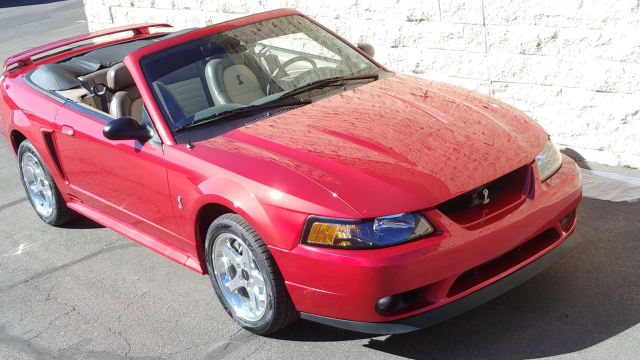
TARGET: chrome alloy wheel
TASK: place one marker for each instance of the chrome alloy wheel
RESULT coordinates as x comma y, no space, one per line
38,186
239,277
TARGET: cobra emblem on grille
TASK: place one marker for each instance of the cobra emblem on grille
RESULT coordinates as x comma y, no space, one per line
480,196
485,193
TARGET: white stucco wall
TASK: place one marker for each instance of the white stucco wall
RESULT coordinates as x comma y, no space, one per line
572,65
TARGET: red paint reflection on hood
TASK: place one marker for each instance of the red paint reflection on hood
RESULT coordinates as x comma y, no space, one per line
394,145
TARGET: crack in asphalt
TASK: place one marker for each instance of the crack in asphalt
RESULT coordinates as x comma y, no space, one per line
127,354
74,309
125,339
231,339
130,304
25,344
12,203
255,349
50,324
22,345
119,321
54,269
236,341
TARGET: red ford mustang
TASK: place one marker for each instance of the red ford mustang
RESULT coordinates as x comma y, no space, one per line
303,177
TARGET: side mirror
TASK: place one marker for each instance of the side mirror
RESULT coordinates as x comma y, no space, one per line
367,48
126,128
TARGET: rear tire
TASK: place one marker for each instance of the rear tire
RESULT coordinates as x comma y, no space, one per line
41,190
232,271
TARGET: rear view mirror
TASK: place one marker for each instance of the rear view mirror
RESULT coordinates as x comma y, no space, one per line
367,48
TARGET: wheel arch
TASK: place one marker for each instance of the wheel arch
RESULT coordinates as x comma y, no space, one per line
17,138
207,214
261,218
209,203
272,217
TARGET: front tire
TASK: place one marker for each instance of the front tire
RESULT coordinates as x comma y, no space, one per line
246,278
40,188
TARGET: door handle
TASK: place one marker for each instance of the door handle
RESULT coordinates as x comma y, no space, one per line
68,130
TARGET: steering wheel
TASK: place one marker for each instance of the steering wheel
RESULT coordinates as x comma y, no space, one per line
281,69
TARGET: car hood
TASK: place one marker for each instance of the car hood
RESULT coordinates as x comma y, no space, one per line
394,145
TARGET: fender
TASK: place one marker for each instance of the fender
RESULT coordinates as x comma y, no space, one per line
273,223
264,201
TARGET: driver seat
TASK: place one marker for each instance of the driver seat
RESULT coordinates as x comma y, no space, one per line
232,83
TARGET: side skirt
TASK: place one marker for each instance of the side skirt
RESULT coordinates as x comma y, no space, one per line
143,239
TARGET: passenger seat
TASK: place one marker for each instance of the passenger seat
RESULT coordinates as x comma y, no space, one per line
127,100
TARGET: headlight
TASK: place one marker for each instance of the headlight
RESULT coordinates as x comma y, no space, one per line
548,161
365,234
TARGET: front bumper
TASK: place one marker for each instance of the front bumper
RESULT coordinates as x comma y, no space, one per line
457,307
341,287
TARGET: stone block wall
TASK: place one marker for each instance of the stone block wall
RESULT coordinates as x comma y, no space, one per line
572,65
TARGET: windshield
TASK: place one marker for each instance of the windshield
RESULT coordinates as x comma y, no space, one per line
248,67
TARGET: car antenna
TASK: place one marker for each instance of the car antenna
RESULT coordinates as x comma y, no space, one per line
189,145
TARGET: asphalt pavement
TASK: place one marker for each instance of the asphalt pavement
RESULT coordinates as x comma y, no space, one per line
85,292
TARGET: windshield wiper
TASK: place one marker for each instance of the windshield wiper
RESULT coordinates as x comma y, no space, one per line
278,102
319,84
246,109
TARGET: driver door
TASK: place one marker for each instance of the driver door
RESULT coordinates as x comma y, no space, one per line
123,179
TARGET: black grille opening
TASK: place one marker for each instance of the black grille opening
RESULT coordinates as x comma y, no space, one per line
499,265
476,207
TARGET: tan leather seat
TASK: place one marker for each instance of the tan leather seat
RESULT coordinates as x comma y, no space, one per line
126,101
232,83
99,76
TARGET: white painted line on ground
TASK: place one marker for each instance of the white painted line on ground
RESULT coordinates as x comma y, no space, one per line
22,248
609,186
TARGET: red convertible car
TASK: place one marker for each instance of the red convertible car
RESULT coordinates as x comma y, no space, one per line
302,176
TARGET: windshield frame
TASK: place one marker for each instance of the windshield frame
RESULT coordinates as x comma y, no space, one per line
133,61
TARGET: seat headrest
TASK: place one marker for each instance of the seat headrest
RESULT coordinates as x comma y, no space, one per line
119,77
215,80
225,61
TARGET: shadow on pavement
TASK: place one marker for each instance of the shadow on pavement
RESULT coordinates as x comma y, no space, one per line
576,156
82,223
304,330
588,297
14,3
